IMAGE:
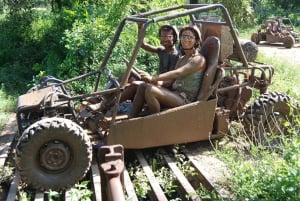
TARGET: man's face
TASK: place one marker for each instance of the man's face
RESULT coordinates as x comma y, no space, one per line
166,38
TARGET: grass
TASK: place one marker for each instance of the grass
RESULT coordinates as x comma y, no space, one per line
8,105
267,174
263,174
285,78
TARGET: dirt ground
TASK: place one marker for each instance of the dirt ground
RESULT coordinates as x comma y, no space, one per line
278,51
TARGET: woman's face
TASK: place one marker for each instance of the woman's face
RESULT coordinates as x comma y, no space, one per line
187,39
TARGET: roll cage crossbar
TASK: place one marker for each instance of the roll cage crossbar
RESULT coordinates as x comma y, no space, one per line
182,11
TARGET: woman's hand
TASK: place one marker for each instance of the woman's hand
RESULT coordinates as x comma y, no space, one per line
147,77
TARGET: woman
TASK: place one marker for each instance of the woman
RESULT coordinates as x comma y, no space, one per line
186,78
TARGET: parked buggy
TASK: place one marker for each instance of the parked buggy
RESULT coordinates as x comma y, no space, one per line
57,137
276,30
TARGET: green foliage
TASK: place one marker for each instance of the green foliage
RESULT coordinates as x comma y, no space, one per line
273,177
18,6
6,174
267,8
240,11
286,6
26,42
80,192
53,195
139,179
65,42
8,104
264,174
285,73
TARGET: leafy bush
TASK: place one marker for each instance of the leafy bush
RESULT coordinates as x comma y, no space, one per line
258,173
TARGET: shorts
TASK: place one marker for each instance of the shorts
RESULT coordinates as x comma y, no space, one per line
184,97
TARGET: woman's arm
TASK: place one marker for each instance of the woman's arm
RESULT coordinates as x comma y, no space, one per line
196,63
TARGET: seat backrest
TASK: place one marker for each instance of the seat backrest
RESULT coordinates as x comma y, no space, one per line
210,50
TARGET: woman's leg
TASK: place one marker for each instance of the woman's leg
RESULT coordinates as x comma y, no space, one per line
139,100
157,96
129,91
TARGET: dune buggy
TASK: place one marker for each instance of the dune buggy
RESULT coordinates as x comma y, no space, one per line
54,150
287,36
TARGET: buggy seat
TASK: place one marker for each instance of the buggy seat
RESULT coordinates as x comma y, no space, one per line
212,74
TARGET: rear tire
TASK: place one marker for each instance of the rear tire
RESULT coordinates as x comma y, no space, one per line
288,41
53,153
266,117
250,50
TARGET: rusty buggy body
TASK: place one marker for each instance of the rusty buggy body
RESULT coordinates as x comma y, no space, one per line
55,146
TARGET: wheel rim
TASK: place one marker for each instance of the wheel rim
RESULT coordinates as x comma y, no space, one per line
55,156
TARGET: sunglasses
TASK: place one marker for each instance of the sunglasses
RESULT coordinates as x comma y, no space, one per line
187,37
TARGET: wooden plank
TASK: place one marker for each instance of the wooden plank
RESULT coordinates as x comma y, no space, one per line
159,194
129,187
96,181
39,196
185,184
202,173
7,137
13,188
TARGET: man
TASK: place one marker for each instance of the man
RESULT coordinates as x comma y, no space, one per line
167,53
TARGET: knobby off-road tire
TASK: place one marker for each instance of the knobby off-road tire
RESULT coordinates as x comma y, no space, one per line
266,116
256,38
288,41
53,153
250,50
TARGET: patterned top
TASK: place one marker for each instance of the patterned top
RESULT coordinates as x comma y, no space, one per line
188,86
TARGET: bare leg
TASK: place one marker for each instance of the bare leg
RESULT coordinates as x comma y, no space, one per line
129,91
155,96
139,101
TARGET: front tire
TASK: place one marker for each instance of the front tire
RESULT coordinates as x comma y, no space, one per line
256,38
267,116
53,153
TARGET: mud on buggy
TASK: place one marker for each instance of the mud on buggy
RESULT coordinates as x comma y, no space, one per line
56,138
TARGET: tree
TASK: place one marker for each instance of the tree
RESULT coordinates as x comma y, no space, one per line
290,5
240,11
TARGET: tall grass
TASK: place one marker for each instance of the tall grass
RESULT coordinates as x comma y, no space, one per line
264,174
286,76
8,105
260,174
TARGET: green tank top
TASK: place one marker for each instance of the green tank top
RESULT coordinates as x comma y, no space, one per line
189,85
